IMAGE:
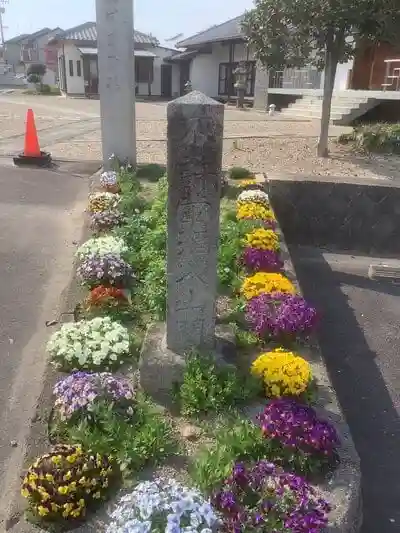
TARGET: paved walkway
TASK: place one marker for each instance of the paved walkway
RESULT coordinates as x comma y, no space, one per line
40,218
360,340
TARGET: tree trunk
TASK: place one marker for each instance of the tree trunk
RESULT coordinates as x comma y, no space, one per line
331,62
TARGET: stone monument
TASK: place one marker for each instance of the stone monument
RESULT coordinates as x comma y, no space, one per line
116,79
195,136
240,74
261,87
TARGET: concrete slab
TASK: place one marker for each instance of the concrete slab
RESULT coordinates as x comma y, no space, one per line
40,220
360,340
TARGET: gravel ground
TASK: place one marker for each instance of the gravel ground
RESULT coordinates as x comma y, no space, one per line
252,139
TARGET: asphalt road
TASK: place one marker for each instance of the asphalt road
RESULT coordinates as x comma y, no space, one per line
41,216
360,340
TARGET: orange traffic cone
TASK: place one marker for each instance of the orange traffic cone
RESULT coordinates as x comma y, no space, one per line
32,154
31,147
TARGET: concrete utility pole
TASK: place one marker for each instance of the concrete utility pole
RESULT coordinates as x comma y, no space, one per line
116,79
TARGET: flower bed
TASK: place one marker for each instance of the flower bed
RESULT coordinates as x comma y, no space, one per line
237,489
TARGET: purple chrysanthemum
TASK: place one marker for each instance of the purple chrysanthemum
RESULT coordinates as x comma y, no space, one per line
107,269
264,497
297,426
256,260
78,392
276,315
105,220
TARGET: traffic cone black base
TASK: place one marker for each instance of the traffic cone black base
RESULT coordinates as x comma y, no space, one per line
44,160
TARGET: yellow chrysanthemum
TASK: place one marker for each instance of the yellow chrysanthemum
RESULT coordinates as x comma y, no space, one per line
102,201
43,511
246,183
254,210
284,373
265,239
265,282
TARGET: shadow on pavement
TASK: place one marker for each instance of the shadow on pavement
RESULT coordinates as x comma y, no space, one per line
360,340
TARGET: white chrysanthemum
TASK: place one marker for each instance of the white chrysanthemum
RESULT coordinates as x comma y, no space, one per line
101,246
88,344
254,195
140,511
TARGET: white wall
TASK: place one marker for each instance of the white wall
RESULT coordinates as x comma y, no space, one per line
342,74
75,83
204,68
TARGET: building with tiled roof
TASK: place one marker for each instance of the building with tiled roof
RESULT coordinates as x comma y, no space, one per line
22,50
78,63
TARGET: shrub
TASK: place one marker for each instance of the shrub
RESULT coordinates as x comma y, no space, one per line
379,137
109,178
88,344
242,440
163,505
103,201
308,443
254,196
284,373
207,387
280,316
257,259
105,220
45,88
239,173
62,484
76,394
254,210
262,497
266,282
135,441
107,268
151,171
102,246
263,238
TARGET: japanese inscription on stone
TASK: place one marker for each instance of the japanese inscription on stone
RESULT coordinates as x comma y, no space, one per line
195,125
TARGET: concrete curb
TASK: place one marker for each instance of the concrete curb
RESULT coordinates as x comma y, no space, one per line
343,489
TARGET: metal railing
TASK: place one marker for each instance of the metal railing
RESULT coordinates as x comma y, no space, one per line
293,78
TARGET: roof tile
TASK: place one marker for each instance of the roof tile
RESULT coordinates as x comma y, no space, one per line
88,32
231,29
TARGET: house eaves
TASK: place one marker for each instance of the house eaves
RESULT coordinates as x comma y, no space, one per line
87,32
227,31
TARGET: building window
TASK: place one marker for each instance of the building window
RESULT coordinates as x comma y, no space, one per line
78,68
71,67
143,70
226,79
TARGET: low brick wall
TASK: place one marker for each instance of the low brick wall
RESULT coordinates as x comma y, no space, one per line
362,216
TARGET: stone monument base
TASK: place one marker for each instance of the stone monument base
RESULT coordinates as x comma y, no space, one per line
161,369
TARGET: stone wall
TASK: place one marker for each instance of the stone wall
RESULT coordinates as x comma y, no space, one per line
360,216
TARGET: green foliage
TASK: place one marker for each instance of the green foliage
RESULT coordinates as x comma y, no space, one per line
238,441
285,34
33,78
151,172
243,440
39,69
239,173
383,138
208,388
144,438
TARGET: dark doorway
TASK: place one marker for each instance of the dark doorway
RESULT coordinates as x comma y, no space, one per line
90,75
166,81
